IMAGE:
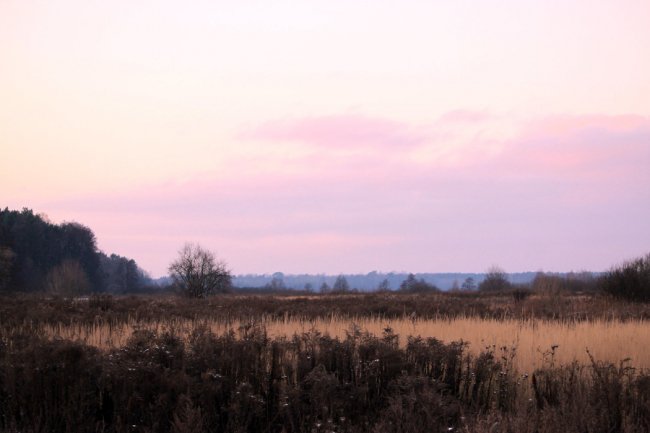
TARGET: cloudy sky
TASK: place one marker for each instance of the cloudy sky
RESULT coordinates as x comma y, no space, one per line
334,136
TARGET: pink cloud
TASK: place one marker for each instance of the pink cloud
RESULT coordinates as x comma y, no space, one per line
340,131
570,193
599,147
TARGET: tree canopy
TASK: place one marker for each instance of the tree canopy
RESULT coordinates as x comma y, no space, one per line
36,254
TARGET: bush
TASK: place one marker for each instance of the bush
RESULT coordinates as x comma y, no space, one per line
520,294
496,280
630,281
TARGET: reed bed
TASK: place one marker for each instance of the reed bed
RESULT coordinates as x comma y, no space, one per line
326,364
533,342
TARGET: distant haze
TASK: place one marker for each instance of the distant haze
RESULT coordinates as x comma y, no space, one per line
334,137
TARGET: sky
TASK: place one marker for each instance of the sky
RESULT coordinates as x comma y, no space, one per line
334,136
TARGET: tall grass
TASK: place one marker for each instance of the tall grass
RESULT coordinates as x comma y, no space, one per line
325,364
531,340
246,381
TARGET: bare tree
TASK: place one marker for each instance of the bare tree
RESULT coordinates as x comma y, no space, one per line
197,273
631,280
341,285
495,280
67,279
384,286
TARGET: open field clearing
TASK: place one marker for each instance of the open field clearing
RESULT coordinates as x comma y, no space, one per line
531,340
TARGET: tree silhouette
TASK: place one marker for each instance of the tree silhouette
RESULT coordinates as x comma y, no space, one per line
341,284
384,286
196,273
412,285
496,280
469,284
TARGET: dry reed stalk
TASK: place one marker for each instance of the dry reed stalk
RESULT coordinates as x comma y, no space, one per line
606,340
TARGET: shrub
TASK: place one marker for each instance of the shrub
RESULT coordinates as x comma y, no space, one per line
521,294
630,281
496,280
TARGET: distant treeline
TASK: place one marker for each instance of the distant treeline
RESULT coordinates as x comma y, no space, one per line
388,280
63,259
629,280
36,255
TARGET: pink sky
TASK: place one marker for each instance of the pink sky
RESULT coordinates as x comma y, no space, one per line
334,136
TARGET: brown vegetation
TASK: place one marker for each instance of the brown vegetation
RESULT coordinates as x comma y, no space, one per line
184,365
20,309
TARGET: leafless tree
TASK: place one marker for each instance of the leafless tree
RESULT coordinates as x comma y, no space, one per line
495,280
341,285
67,279
197,273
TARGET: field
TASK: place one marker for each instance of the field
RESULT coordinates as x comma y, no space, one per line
376,362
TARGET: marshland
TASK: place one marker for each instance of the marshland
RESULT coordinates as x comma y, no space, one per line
324,216
351,362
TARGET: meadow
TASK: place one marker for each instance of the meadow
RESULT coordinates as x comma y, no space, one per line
350,363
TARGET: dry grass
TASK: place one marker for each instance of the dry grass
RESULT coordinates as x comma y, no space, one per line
222,364
531,339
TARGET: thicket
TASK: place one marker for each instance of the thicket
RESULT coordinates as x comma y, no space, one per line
630,281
